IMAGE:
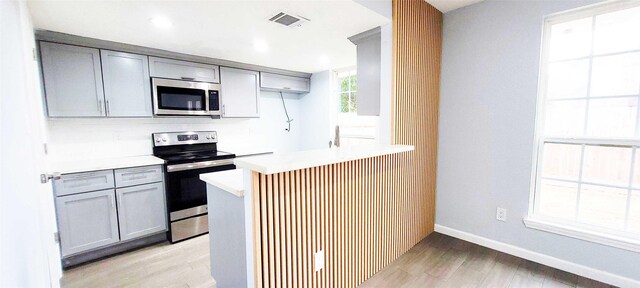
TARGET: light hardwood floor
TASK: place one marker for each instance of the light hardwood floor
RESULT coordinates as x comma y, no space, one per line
184,264
443,261
437,261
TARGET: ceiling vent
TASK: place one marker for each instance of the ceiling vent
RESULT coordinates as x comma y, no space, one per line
288,20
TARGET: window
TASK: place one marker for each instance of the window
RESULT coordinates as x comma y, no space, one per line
348,90
587,173
354,129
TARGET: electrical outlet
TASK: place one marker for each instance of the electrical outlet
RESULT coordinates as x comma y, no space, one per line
501,214
318,258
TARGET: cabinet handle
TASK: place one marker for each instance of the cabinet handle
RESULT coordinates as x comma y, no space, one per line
108,108
286,88
100,106
223,110
188,78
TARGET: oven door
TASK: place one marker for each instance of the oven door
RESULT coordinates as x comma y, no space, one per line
175,97
186,193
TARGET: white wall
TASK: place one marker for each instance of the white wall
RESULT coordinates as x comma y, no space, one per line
315,122
490,60
85,139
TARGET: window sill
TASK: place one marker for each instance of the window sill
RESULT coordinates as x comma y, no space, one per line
583,234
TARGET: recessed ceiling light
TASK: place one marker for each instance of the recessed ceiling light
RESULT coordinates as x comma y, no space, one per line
161,22
260,45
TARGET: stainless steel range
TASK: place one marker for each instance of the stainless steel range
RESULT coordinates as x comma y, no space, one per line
187,155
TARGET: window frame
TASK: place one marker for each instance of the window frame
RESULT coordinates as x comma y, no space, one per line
611,237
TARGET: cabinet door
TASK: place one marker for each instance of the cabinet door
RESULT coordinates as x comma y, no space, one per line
183,70
141,210
283,83
87,221
127,85
72,80
240,93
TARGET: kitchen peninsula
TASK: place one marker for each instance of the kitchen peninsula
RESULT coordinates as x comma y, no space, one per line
326,217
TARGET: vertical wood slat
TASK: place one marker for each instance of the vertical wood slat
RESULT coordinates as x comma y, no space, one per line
365,213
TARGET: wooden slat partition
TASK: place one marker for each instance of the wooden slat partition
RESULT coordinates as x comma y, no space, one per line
353,211
363,214
417,50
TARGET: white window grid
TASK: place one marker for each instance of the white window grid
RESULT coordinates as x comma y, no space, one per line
632,143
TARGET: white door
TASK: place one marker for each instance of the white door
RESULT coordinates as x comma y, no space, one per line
29,255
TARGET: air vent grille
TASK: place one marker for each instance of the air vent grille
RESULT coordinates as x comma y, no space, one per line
288,20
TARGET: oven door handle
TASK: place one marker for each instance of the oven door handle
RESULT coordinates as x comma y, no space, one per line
198,165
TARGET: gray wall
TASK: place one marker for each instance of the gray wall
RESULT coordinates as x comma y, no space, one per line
490,61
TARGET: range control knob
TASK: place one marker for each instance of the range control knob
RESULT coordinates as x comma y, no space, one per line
208,137
164,139
213,136
158,140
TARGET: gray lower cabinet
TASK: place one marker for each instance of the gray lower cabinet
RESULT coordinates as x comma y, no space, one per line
141,210
72,80
87,220
240,93
127,88
101,208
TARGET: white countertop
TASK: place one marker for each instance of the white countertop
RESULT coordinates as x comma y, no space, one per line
103,164
229,180
282,162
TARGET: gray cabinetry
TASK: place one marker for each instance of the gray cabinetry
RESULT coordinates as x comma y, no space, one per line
183,70
240,93
72,80
82,182
86,207
141,210
368,48
283,83
127,86
87,221
138,175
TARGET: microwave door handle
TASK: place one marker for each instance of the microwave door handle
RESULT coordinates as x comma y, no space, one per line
206,101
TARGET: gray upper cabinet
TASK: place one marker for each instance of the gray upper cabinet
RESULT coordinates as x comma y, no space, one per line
141,210
127,86
87,221
183,70
72,80
368,50
240,93
283,83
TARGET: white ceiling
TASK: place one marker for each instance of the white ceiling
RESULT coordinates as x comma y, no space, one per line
220,29
447,5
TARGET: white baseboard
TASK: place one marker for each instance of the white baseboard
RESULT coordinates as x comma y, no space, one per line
547,260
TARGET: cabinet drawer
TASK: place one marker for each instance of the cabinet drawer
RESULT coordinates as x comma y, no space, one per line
183,70
83,182
138,175
283,83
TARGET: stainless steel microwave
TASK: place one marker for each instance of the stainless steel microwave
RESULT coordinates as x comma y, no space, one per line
185,98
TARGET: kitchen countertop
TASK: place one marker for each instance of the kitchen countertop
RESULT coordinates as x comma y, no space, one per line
231,181
103,164
282,162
